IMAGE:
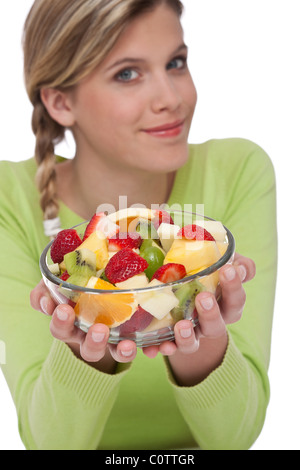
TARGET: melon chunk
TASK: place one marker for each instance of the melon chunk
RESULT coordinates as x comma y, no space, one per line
214,227
167,234
159,303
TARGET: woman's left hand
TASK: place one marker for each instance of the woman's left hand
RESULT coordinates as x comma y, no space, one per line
211,332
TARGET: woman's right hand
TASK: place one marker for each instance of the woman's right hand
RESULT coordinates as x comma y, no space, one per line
91,347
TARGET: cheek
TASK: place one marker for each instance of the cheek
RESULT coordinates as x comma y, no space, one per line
191,95
127,110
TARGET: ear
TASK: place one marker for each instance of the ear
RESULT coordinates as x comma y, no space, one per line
57,104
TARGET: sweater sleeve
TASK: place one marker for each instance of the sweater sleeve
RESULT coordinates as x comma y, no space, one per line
227,410
61,402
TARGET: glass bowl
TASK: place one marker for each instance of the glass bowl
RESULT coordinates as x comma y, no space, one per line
169,302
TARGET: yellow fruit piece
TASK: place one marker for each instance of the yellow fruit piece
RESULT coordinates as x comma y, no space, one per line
222,247
110,309
128,218
214,227
62,266
156,324
210,282
97,243
193,254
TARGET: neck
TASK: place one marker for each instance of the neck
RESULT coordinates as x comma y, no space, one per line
84,187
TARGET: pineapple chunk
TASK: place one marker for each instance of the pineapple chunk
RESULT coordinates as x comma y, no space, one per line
135,282
193,254
156,324
222,246
97,243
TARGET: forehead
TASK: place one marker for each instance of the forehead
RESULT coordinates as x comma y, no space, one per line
157,31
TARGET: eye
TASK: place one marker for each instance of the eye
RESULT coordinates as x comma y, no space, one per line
177,63
127,75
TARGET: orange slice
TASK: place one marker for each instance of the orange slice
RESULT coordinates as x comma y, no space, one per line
110,309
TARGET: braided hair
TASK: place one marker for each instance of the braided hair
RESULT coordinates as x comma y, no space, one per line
64,41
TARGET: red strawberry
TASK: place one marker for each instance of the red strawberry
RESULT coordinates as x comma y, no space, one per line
195,232
138,322
123,265
65,241
161,217
100,221
170,272
124,240
65,276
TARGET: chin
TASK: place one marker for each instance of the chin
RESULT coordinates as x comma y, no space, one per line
171,159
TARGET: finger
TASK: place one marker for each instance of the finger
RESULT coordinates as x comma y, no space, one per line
211,323
151,351
233,296
94,346
40,299
62,325
167,348
185,338
124,352
246,267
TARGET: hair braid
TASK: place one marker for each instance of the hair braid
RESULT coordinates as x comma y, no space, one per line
47,133
64,41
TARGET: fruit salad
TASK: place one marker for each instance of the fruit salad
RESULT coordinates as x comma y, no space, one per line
136,270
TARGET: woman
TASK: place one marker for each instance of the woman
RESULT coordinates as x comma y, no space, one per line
115,73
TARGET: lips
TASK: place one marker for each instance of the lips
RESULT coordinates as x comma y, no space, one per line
166,130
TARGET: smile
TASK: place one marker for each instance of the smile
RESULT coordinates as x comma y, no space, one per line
167,130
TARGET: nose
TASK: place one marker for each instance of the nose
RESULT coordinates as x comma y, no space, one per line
166,95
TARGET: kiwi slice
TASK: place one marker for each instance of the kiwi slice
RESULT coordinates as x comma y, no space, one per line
146,229
78,280
81,261
186,295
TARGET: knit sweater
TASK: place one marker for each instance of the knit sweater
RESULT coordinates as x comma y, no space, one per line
63,403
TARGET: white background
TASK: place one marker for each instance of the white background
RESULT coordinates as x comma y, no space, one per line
244,56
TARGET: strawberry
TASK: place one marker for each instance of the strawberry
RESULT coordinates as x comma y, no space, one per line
65,242
195,232
101,222
124,240
170,272
138,322
123,265
65,276
161,217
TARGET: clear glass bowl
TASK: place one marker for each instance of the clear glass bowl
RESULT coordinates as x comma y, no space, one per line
142,328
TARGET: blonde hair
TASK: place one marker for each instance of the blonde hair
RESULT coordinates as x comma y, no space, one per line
63,41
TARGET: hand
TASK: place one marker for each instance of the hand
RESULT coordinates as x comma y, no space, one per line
92,347
211,333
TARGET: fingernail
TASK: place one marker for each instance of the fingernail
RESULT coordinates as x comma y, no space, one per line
242,272
97,337
61,314
127,353
207,303
186,332
44,304
229,273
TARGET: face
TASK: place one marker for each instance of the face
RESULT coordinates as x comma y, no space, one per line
136,108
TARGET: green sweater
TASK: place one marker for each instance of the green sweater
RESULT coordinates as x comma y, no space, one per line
63,403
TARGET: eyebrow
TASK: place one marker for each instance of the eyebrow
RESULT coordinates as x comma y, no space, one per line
133,60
